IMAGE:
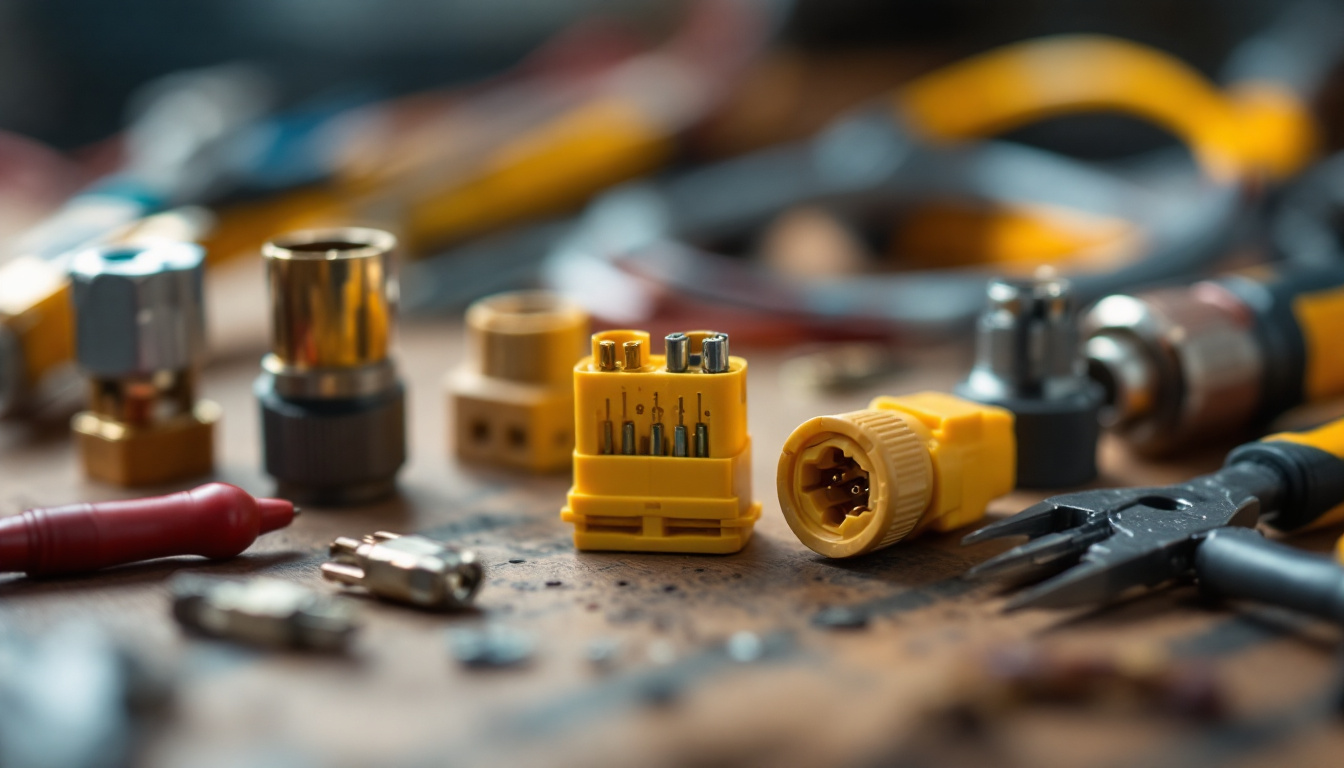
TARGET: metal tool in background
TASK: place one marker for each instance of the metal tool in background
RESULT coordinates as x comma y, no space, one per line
1219,357
140,338
645,241
177,146
408,569
1096,546
1029,361
264,612
534,142
333,409
75,697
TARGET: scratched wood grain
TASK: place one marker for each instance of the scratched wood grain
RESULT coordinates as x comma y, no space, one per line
672,696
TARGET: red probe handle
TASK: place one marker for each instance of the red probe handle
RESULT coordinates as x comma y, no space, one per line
215,520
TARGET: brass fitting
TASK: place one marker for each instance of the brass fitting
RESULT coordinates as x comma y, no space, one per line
332,405
513,399
37,348
861,481
139,336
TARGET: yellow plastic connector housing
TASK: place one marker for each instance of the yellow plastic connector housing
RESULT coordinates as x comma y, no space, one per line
860,481
513,400
662,459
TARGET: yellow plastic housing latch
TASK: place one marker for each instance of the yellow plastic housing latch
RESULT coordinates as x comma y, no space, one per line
861,481
662,458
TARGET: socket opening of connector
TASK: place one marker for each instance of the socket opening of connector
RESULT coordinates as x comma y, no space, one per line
525,312
463,581
835,485
517,437
323,246
854,482
480,431
328,244
122,254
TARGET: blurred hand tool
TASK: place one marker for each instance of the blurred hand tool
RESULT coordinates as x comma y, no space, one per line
1218,357
268,612
177,152
408,569
73,697
537,141
140,338
1029,360
1095,546
215,521
332,405
637,243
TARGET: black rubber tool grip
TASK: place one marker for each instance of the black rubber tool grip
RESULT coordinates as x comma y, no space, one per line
1240,564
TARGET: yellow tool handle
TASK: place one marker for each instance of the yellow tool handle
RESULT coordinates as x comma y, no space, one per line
1328,438
1320,317
1259,126
1311,466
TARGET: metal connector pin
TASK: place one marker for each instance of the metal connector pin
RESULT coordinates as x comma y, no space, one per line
606,356
634,355
714,354
678,350
701,440
657,446
628,438
679,441
407,569
608,445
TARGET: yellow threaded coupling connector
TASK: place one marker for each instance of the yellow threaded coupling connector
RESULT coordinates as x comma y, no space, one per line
860,481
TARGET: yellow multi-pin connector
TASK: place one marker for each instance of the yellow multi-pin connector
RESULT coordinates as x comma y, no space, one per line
857,482
662,458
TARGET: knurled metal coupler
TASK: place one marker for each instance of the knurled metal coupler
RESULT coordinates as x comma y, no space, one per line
332,406
140,337
1029,361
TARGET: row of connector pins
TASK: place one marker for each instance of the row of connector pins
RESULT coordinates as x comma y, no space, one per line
657,445
713,358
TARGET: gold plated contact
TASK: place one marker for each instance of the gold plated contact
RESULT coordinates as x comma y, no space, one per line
333,407
333,297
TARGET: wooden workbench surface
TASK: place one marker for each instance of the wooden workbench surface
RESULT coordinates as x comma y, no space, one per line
815,696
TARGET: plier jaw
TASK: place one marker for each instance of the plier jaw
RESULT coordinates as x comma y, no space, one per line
1094,546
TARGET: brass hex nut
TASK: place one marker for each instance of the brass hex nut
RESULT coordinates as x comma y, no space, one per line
133,455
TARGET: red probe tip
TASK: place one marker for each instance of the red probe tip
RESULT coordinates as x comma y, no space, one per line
276,514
